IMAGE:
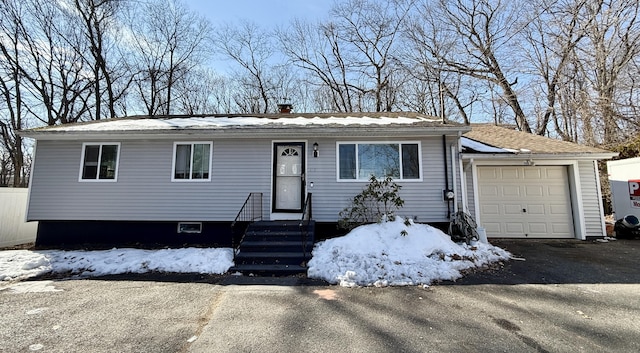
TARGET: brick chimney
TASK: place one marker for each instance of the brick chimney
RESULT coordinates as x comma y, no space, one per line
285,108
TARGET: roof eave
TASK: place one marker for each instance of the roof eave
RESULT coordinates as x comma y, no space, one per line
545,156
251,132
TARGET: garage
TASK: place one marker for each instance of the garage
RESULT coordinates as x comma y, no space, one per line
525,201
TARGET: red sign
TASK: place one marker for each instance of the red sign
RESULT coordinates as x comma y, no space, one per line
634,189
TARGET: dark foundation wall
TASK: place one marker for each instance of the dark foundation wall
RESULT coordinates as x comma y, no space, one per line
107,235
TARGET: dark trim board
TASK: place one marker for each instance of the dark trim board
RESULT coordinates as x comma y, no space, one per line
110,234
152,235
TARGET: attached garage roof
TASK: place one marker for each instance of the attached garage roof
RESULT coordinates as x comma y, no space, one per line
514,141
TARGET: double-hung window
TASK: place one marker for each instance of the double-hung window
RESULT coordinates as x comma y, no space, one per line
361,160
100,161
192,161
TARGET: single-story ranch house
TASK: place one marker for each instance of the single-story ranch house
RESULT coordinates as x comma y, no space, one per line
184,179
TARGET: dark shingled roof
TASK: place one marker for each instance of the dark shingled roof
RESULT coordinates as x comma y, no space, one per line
509,138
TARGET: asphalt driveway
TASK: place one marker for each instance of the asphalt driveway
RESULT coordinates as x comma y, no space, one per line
566,296
564,262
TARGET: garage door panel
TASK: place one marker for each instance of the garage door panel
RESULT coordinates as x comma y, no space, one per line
489,190
509,174
533,173
511,191
512,209
556,173
534,209
488,174
513,228
538,228
540,190
556,190
534,191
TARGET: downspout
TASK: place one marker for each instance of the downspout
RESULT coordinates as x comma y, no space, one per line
446,176
463,178
453,174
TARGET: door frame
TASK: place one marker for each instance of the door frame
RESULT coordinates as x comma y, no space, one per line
287,213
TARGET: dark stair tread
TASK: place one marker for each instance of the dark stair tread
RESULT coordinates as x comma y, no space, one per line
277,237
276,243
291,222
268,268
273,243
249,254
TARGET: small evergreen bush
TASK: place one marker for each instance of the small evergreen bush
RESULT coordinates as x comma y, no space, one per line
378,201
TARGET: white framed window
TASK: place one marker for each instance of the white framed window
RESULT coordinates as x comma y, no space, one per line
99,161
191,161
358,161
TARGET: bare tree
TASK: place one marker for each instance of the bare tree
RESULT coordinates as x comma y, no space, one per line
439,91
11,119
195,93
252,50
42,78
481,32
96,22
349,58
318,51
551,40
614,41
169,42
371,29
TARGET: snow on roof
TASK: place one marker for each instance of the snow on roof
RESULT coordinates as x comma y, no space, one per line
515,141
222,122
480,147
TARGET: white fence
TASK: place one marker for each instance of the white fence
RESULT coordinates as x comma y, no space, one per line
13,228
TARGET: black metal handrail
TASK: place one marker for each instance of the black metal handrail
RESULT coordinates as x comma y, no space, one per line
304,229
250,211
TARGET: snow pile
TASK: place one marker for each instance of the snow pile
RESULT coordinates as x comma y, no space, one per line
19,264
386,254
394,253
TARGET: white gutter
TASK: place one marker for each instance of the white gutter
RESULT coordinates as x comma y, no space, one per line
249,132
542,156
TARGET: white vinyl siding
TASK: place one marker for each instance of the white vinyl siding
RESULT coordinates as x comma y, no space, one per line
593,212
144,192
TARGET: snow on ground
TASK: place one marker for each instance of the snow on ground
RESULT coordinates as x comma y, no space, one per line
393,253
389,253
18,264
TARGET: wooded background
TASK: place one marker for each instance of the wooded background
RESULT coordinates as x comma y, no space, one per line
567,69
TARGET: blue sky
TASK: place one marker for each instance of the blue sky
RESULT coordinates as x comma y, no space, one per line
266,13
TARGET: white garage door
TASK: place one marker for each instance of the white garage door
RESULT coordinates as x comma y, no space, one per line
525,202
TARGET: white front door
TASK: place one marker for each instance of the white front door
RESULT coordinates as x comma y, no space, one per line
288,175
